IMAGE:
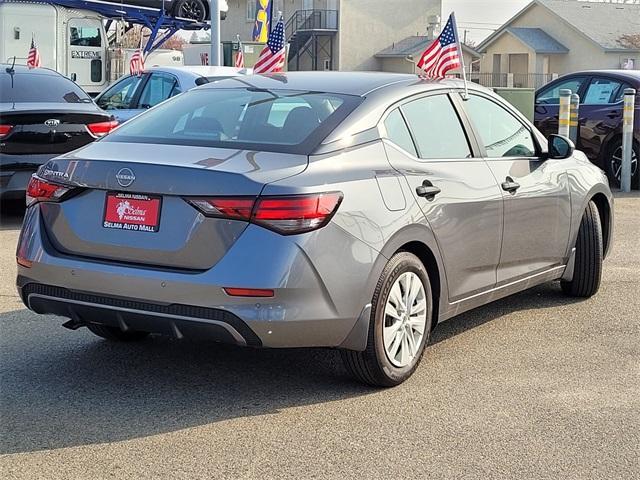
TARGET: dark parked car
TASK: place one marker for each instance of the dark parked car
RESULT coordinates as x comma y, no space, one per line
600,119
192,9
42,115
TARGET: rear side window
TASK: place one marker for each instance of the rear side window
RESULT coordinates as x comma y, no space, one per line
398,132
436,128
602,91
270,120
39,87
502,134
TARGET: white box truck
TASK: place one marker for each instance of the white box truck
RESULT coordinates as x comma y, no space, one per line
71,41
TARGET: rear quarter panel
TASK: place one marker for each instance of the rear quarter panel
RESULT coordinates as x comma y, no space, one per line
372,224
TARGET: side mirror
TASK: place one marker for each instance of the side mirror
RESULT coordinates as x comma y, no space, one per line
560,147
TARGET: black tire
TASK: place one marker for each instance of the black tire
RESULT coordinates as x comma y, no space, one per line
372,366
191,9
587,270
612,163
115,334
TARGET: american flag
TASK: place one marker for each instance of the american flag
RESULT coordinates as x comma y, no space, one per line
443,54
273,55
136,64
239,55
33,59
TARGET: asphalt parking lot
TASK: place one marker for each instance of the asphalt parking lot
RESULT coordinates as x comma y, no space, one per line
533,386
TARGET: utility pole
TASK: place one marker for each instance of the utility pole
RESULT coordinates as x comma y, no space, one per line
214,56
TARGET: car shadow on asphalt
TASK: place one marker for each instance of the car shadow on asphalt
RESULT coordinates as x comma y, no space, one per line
61,389
11,214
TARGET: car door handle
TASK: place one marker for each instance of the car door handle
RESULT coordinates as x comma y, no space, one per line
613,115
510,186
427,190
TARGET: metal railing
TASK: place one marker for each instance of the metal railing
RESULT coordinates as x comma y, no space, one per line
517,80
311,20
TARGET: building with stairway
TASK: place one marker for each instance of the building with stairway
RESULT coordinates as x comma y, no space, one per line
336,34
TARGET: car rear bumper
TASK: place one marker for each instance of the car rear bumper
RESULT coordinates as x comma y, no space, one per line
305,311
129,314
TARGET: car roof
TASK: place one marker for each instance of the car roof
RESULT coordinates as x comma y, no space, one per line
346,83
202,70
629,74
24,69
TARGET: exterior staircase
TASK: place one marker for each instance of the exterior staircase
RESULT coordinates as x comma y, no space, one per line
312,35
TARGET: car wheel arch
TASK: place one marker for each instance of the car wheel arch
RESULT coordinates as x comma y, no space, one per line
420,240
604,209
430,258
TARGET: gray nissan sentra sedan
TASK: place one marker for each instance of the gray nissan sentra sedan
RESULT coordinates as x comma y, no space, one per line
344,210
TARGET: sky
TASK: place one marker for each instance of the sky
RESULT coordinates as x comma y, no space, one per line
481,17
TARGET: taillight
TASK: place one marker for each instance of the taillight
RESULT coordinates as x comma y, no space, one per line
287,215
39,190
238,208
297,213
4,130
101,128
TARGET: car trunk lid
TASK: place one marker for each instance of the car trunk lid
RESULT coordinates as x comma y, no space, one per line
107,175
48,128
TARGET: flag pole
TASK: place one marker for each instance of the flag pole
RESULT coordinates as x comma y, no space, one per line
464,74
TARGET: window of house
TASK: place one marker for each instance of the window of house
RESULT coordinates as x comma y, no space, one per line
398,132
436,128
251,10
602,91
502,134
551,94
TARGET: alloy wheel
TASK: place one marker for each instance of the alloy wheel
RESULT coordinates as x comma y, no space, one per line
405,318
192,10
616,163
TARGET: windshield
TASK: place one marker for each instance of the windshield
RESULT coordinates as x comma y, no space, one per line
43,88
270,120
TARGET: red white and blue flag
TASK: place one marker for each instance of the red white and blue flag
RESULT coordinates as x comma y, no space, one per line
443,54
240,55
136,64
273,55
33,59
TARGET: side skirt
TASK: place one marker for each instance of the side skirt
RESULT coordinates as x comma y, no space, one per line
502,291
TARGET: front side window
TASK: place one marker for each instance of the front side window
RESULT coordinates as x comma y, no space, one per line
436,128
270,120
398,132
551,95
502,134
602,91
120,96
82,36
159,87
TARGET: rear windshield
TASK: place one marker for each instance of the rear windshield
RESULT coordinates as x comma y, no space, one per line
254,119
37,87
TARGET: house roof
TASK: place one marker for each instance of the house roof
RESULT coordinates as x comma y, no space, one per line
537,39
413,45
601,23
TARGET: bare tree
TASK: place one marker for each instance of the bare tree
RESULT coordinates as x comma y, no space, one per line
630,40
